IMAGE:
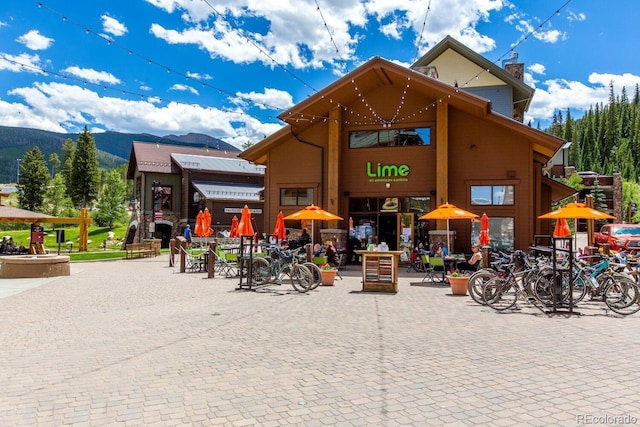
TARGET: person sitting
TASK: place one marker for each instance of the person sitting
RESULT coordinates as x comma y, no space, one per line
317,250
304,237
442,250
11,246
474,261
331,254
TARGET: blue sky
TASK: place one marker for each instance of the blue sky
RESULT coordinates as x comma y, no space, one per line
227,69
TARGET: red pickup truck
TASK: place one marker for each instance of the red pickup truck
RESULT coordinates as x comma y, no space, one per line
619,236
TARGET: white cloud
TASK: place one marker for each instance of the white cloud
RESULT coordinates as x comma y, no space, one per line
270,99
198,76
537,68
91,75
20,63
547,36
35,41
560,94
113,26
68,108
576,16
184,88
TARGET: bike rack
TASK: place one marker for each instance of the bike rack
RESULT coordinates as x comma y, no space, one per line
246,246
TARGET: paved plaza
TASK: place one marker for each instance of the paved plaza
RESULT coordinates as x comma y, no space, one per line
135,342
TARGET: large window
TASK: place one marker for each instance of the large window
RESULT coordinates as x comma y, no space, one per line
492,195
390,138
296,196
501,233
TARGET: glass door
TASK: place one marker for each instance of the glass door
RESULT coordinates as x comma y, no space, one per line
405,235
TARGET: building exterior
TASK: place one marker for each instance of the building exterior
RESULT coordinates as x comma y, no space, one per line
172,183
385,144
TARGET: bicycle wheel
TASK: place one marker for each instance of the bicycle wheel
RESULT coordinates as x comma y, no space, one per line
622,295
476,284
260,271
581,286
543,287
316,272
500,294
301,278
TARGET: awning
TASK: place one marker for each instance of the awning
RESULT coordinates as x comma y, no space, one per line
228,191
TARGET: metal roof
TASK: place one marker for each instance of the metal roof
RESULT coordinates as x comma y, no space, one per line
228,191
217,164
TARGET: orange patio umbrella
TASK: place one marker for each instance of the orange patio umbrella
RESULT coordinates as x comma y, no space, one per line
206,223
562,228
279,231
448,212
197,230
233,232
576,210
484,230
312,213
244,226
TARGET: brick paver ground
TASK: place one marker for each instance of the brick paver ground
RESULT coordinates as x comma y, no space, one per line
133,342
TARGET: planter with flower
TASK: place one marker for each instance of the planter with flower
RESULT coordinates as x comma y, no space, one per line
458,282
328,274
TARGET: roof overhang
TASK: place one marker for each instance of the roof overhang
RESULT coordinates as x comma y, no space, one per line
212,190
559,191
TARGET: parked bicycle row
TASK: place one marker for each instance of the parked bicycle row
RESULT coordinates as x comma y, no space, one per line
273,265
524,279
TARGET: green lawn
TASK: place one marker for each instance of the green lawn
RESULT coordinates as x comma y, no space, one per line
95,249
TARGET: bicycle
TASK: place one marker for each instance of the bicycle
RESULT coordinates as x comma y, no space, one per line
503,291
282,263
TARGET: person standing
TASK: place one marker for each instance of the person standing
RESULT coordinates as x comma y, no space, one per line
187,234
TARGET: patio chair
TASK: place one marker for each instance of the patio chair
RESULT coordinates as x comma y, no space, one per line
192,264
433,265
226,263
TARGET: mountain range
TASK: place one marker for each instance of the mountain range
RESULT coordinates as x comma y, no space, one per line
114,148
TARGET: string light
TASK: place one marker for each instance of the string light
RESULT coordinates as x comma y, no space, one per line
365,118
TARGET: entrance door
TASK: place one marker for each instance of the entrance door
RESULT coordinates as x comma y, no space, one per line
405,234
388,230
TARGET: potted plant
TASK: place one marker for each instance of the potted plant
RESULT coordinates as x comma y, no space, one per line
458,283
328,274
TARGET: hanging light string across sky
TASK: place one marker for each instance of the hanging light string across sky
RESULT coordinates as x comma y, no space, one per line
375,120
378,120
132,52
424,24
324,21
112,42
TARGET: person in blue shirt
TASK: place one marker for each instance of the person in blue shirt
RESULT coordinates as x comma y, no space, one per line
442,250
187,234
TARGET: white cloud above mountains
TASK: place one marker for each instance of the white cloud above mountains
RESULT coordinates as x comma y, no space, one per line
305,36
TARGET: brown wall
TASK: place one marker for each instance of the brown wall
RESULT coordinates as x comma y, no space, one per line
293,164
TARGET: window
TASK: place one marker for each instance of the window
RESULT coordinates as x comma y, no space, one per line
501,233
390,138
296,196
492,195
162,197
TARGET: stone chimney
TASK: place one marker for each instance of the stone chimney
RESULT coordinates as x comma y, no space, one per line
516,70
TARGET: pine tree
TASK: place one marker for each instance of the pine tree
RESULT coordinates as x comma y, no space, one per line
54,162
84,171
113,200
68,150
34,177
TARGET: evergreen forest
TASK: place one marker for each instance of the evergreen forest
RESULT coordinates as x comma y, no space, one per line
607,138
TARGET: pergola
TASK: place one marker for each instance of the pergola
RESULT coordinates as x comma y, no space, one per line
17,215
